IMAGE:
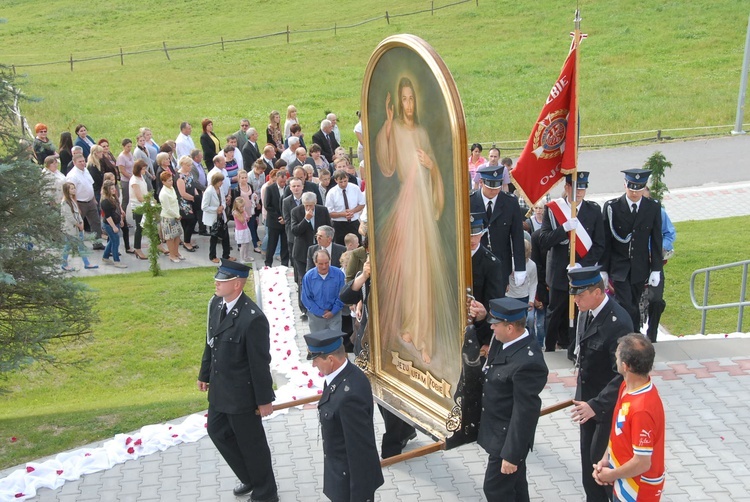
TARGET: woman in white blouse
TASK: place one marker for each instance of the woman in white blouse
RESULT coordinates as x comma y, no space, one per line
170,216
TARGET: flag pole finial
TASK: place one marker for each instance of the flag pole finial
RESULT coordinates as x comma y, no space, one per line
577,19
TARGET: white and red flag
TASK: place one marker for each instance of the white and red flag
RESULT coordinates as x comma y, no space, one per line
550,151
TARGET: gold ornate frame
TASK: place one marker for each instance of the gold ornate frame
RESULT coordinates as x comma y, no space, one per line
425,398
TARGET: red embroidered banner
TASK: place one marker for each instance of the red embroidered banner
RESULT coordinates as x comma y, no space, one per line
550,151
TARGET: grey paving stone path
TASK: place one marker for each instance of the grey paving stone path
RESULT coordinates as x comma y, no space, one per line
705,386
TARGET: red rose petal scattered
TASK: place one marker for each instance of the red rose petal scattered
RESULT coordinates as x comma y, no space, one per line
30,469
320,391
205,426
309,384
19,495
270,289
270,302
722,438
128,441
138,442
294,367
87,455
170,427
174,435
286,328
13,439
726,336
131,450
59,472
321,375
304,373
289,352
284,359
294,398
277,348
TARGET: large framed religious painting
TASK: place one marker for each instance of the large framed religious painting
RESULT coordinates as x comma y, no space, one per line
417,211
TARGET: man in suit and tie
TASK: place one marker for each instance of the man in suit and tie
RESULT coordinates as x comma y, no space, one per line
633,251
324,237
272,201
515,376
504,221
307,186
601,322
250,150
300,159
235,370
326,140
351,469
269,158
554,237
307,218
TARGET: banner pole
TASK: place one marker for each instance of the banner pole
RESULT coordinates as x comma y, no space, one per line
574,176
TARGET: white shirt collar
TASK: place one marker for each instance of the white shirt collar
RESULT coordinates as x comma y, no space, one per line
525,334
228,306
332,376
486,200
595,312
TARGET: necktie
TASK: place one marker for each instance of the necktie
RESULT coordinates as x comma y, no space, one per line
346,199
589,318
223,312
296,202
634,208
330,146
489,211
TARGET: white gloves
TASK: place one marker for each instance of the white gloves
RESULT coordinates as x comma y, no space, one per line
575,266
571,224
605,278
520,277
654,279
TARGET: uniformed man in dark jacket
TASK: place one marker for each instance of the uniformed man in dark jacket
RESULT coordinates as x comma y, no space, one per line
351,469
235,371
397,432
486,274
631,223
601,322
504,222
555,237
516,374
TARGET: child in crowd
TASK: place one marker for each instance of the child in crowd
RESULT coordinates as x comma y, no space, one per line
72,227
241,229
351,241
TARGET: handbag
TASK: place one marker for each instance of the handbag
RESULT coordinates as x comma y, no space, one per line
218,228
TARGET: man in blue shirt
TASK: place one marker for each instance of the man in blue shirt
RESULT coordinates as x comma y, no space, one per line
320,293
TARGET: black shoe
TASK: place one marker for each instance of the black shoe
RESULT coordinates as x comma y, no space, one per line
203,232
98,246
303,317
272,498
413,435
242,489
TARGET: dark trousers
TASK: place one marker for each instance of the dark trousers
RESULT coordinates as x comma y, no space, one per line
299,273
241,440
90,212
656,306
138,231
274,234
125,232
557,320
396,432
628,295
341,228
198,212
505,487
188,227
253,224
225,249
594,440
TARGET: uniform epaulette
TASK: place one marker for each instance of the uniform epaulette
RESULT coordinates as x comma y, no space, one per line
595,204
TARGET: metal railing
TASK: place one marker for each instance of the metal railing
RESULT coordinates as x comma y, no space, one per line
704,307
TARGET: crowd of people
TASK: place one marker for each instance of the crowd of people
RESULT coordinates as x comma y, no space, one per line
184,179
